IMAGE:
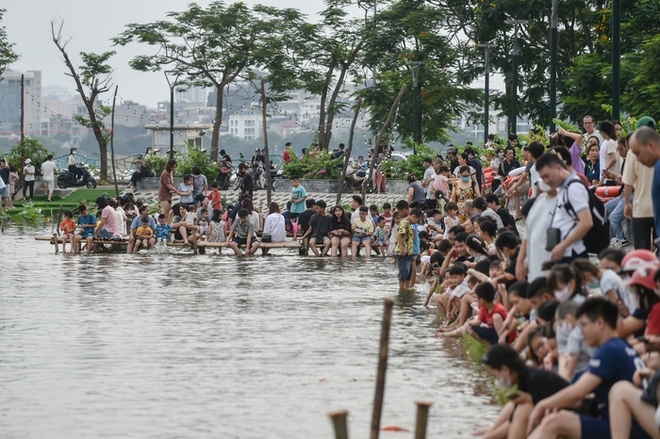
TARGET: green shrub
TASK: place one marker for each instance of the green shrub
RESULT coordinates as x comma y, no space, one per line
321,167
28,149
195,157
157,163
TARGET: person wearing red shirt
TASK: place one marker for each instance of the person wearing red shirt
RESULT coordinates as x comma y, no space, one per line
286,155
491,314
215,197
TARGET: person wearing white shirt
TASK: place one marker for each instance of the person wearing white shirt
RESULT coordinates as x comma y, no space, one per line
48,169
28,171
275,224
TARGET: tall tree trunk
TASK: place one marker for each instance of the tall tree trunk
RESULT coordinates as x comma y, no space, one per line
322,110
349,151
100,139
215,136
330,118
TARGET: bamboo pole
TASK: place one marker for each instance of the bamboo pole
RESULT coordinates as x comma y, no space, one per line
422,418
112,141
382,364
339,422
56,242
374,155
349,151
269,177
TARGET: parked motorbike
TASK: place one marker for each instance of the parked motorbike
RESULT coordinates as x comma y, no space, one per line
68,179
224,176
356,178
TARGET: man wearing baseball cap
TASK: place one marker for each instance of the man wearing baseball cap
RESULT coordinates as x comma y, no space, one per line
28,172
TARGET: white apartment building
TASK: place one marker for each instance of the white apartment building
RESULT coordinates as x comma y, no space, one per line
10,102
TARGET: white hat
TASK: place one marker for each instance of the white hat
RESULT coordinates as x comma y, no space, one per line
28,161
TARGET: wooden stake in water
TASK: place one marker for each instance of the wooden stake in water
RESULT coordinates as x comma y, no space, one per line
422,418
382,368
339,422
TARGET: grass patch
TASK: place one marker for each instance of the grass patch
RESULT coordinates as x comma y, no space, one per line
70,202
475,352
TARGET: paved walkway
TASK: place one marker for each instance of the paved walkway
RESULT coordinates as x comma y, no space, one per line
281,198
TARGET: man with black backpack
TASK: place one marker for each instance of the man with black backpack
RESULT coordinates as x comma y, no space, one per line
572,219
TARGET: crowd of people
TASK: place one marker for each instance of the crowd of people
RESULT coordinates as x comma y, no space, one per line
571,321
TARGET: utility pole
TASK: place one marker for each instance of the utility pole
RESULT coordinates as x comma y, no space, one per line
23,108
514,83
171,85
415,67
487,48
553,65
616,59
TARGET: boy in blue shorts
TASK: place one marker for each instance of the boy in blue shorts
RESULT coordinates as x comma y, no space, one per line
87,223
614,360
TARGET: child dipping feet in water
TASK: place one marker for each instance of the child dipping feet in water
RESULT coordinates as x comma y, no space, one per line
143,234
163,229
68,228
380,236
216,230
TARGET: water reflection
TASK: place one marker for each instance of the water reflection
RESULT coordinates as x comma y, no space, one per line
174,345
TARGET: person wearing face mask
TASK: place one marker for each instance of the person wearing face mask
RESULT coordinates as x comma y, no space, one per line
74,164
526,386
533,251
574,353
464,189
564,280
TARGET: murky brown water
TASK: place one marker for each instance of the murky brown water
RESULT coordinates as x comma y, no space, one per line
180,346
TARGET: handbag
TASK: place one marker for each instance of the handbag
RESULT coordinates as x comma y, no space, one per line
266,237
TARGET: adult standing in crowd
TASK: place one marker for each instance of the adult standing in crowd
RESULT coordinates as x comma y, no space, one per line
645,145
589,125
416,192
474,161
508,164
451,157
48,170
463,190
166,188
427,180
28,180
609,157
553,171
639,178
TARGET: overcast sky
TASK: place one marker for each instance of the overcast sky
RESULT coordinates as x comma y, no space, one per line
91,24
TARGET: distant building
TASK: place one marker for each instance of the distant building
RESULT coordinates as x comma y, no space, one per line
10,102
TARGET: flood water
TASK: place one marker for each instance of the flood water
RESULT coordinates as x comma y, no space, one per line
180,346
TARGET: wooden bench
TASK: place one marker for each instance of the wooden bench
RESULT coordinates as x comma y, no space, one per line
264,246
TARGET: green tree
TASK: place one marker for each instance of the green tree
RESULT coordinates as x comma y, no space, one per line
331,54
408,31
92,79
28,149
218,45
7,54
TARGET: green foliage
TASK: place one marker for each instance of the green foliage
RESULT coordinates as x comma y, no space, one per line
195,157
217,45
412,31
314,166
413,165
28,149
7,54
157,163
30,214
